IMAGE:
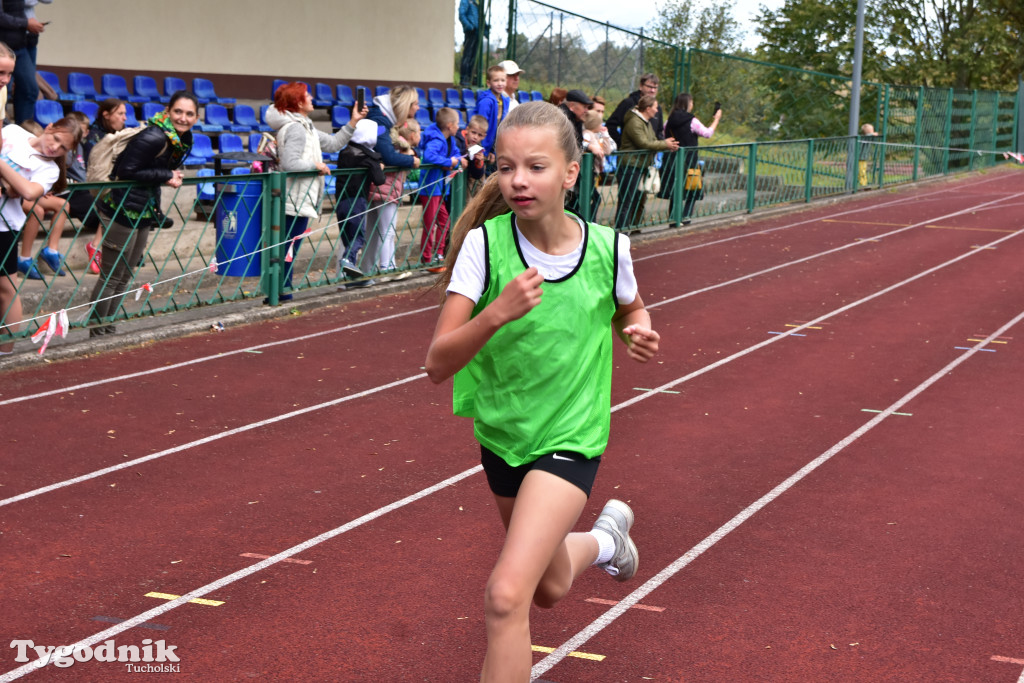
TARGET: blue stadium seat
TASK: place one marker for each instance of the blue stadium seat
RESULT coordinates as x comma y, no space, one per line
213,119
115,86
48,111
202,150
278,82
241,170
81,84
230,142
423,117
435,98
220,113
263,114
87,107
339,116
469,99
323,95
462,118
173,84
254,141
203,88
205,191
330,181
129,117
151,109
329,156
453,98
537,97
54,82
423,97
245,116
345,97
145,86
524,96
381,90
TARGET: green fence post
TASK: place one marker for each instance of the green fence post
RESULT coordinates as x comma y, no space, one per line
917,129
947,133
884,132
751,176
511,44
974,127
272,197
458,198
586,185
679,178
809,179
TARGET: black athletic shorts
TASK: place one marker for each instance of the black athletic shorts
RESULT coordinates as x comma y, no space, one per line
8,254
505,480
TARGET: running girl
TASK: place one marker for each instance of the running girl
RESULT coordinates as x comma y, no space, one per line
524,328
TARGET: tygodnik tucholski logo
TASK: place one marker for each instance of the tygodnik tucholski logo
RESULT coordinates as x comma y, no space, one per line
152,656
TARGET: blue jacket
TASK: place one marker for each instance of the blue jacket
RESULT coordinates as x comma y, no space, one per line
435,148
487,107
388,154
469,15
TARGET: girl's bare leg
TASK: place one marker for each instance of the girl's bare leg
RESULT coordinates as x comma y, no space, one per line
538,562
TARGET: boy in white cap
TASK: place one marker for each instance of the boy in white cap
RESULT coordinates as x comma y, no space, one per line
512,72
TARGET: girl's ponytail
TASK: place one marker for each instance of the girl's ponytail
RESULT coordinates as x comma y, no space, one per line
487,204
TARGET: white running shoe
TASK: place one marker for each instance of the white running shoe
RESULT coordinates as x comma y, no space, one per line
616,519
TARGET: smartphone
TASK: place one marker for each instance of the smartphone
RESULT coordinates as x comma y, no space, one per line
718,106
360,98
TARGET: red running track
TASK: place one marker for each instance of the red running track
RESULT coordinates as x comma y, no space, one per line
824,461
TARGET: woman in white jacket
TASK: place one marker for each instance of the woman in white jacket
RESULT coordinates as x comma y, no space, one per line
300,147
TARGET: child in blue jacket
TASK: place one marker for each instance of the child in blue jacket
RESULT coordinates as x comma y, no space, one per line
437,148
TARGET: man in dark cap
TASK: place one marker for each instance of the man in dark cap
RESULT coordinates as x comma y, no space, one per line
648,86
575,109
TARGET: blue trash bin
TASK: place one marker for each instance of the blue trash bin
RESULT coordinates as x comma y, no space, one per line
239,224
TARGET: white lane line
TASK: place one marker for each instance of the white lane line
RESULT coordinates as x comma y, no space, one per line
606,619
209,439
640,397
344,328
223,354
872,207
771,269
248,571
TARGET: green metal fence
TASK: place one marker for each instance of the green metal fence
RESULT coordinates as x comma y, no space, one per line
229,240
226,240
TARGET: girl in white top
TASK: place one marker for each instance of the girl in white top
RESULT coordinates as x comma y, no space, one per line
30,167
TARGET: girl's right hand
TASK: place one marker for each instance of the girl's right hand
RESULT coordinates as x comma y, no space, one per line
176,178
520,295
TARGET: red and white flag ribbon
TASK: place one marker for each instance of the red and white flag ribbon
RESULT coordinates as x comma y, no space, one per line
56,323
1014,155
213,265
147,288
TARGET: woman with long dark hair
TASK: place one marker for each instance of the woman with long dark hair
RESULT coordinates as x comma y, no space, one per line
686,128
110,118
151,158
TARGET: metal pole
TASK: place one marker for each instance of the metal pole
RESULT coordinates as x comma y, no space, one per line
858,59
510,49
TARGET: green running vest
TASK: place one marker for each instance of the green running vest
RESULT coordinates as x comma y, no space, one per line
543,383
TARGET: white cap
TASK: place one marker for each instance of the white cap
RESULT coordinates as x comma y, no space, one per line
510,67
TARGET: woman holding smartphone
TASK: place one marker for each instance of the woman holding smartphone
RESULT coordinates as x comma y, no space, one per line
687,129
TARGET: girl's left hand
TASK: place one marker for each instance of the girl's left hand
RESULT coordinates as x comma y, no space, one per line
176,178
643,342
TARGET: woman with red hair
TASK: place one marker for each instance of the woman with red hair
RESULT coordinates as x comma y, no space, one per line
300,147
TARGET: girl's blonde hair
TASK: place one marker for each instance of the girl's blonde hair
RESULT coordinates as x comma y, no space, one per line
489,201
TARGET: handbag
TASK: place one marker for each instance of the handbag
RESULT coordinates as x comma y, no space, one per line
651,183
694,180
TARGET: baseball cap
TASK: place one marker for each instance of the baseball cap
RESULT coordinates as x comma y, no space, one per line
510,67
578,96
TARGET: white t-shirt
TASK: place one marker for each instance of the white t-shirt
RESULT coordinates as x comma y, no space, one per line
470,268
30,165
